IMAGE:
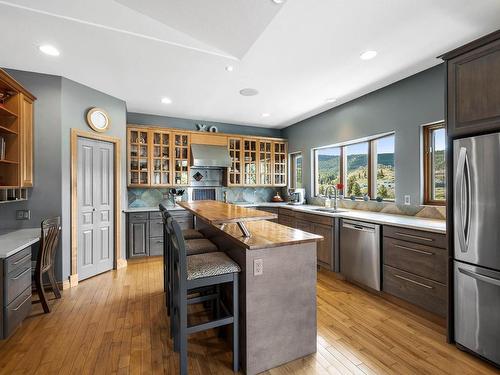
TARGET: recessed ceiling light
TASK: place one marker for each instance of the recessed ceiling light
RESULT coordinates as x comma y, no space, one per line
266,114
330,100
248,92
166,100
278,1
49,50
229,68
368,55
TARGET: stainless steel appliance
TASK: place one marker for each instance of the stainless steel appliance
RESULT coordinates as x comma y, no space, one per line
210,156
297,196
476,218
205,183
360,252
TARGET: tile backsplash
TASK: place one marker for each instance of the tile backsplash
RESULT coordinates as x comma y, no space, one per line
152,197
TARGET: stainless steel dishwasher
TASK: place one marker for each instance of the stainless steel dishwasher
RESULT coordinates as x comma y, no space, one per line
360,252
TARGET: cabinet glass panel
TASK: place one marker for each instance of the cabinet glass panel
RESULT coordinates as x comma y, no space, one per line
181,159
265,163
138,157
280,161
161,159
249,162
235,155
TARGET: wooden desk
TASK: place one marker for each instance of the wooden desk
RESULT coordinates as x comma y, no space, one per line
220,213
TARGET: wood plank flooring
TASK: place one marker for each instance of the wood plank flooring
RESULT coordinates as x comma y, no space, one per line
115,323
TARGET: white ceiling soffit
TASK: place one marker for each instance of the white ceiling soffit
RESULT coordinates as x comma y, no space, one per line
308,52
229,25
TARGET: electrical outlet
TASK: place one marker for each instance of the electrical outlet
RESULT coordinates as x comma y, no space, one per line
258,267
23,214
407,200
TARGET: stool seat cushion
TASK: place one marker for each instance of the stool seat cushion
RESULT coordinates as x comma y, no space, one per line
200,246
210,264
192,234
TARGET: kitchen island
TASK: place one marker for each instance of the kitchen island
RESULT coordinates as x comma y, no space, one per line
277,281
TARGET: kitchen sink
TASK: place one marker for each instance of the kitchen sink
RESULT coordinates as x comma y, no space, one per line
325,209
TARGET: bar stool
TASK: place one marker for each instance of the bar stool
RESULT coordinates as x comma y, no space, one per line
191,273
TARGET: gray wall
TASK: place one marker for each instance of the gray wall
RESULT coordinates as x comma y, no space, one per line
180,123
401,107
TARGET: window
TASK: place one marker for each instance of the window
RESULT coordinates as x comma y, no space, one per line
384,177
327,168
363,168
434,164
296,170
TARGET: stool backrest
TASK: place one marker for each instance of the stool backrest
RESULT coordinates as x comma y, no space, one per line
178,249
50,229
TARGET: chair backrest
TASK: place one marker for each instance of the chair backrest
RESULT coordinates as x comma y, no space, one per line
178,248
50,229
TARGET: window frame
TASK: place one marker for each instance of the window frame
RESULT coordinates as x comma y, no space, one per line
293,169
372,164
427,131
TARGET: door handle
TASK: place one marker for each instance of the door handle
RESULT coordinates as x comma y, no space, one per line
463,180
414,282
478,276
414,250
22,303
22,273
93,209
414,237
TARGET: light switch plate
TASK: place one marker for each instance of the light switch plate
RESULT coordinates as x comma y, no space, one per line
23,214
258,267
407,200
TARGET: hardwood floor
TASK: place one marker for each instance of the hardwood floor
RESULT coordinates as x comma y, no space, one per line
115,323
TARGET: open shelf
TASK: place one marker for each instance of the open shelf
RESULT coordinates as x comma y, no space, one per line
4,112
5,161
4,130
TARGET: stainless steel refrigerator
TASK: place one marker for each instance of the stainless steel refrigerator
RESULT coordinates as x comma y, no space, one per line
476,217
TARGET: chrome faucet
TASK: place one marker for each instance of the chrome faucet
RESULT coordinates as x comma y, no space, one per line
335,196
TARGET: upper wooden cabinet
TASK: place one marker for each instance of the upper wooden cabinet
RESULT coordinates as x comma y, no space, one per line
16,134
473,88
161,157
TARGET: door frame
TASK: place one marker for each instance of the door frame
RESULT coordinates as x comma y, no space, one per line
118,262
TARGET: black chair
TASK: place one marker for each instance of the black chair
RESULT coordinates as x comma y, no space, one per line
190,273
45,262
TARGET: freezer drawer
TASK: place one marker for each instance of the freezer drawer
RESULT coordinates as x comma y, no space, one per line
477,307
360,252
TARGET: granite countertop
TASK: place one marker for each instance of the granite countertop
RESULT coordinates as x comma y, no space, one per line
14,240
413,222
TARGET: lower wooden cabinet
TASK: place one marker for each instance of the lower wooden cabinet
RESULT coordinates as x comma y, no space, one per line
326,247
145,232
273,210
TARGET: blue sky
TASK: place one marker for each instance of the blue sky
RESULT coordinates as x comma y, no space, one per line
384,145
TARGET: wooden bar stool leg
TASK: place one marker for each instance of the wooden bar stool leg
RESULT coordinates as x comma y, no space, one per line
182,334
53,283
41,291
236,340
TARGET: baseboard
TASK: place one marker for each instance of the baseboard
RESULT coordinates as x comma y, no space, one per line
73,280
121,263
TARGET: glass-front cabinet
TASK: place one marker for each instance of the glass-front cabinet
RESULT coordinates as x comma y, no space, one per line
235,172
160,158
249,162
181,157
138,155
265,163
280,163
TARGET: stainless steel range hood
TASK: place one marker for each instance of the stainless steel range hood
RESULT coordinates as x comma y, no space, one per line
210,156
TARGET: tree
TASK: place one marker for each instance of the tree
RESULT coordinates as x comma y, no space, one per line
382,191
350,184
380,173
356,190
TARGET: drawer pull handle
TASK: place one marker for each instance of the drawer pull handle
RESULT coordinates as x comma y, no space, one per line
22,273
21,260
414,250
414,237
159,241
414,282
22,303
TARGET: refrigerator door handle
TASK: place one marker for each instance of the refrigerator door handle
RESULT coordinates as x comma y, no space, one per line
463,198
478,276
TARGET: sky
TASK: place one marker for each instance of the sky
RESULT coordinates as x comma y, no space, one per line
384,145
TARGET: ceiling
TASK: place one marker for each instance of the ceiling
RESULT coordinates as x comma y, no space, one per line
296,54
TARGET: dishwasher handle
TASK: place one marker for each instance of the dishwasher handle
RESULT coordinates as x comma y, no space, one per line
358,226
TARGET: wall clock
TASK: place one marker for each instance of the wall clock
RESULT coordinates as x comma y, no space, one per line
98,119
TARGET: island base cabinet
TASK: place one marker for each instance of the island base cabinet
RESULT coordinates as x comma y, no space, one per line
138,235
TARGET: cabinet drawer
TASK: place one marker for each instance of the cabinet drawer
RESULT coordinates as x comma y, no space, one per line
319,219
16,311
286,220
286,212
138,216
156,228
421,260
16,281
17,260
156,246
155,215
306,226
416,236
419,291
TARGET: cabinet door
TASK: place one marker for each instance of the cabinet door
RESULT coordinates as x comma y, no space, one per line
234,173
474,91
249,162
181,158
306,226
161,158
138,239
280,163
26,142
325,247
138,157
265,163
